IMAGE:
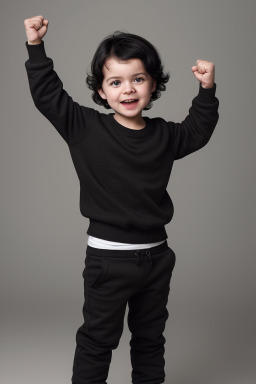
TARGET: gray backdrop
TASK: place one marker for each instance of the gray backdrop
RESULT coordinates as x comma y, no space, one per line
211,329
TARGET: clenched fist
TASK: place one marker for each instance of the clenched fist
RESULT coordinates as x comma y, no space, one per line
35,27
204,71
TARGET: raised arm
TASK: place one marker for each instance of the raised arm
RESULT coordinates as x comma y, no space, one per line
195,131
68,117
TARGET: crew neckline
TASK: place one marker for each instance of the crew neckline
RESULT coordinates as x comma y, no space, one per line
129,131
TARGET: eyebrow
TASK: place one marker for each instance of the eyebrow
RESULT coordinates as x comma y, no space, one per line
119,77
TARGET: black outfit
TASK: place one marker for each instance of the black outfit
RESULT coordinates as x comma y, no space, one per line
123,175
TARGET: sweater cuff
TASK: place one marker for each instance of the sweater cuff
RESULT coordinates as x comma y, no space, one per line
206,95
36,52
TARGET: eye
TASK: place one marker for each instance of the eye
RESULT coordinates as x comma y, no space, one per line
140,79
114,82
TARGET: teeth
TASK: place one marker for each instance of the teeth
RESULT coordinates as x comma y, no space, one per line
129,101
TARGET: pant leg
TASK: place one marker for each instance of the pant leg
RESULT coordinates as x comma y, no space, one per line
108,283
147,318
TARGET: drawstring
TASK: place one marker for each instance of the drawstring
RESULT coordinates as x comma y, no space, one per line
138,255
150,257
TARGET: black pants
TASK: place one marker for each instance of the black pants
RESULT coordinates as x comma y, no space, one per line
113,278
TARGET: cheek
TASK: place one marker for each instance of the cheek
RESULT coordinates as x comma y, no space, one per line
148,92
114,95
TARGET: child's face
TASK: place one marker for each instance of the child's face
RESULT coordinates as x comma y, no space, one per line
124,81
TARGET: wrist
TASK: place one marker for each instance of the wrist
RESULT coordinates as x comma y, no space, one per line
35,42
208,86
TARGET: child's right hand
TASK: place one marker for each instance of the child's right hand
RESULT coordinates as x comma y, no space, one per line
35,27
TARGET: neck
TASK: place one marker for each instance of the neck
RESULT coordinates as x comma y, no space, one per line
130,122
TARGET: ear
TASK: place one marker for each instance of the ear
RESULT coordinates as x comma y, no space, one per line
102,94
154,86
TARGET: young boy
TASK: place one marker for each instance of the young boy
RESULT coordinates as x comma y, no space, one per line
123,161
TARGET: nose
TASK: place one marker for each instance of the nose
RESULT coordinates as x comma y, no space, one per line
128,88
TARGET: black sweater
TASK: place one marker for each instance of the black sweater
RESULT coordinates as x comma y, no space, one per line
123,173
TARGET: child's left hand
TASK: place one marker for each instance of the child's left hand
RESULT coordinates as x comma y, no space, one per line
204,71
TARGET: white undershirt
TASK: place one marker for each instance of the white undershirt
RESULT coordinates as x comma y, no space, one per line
105,244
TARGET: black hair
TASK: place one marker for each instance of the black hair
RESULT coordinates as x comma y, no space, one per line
125,46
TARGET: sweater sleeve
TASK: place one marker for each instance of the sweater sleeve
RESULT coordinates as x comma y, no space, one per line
68,117
195,131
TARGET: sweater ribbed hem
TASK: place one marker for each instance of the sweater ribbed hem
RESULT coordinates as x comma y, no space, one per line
206,95
133,235
36,52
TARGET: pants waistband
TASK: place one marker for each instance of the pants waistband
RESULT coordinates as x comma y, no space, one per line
123,253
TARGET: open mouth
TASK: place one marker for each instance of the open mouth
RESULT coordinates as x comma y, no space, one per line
130,101
130,104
